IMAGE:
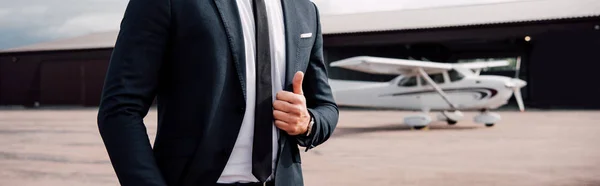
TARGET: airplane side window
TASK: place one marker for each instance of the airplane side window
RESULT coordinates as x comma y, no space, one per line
408,82
455,76
437,78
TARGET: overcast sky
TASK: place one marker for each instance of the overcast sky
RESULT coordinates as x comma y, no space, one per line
24,22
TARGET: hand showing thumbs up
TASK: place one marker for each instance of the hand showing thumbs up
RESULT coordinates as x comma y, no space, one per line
290,111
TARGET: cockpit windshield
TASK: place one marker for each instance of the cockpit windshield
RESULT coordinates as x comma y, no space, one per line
455,75
408,82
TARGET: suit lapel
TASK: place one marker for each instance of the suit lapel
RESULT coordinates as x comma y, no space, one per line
230,17
289,14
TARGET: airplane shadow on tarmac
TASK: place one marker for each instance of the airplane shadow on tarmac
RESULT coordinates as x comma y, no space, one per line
347,131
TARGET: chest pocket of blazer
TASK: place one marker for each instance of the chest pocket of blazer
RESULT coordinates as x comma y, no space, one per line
306,35
306,39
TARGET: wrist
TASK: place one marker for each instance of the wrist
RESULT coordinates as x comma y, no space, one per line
309,127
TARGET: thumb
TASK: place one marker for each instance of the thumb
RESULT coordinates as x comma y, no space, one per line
297,83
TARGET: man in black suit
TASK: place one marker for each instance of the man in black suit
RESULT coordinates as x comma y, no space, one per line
239,85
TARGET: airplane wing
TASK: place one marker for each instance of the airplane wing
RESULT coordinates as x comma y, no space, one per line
388,66
482,65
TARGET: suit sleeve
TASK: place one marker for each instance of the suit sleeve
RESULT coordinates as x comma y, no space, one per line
319,98
129,90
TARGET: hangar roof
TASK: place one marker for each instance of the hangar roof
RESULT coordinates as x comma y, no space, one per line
441,17
455,16
90,41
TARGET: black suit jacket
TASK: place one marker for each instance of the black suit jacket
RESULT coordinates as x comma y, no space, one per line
189,54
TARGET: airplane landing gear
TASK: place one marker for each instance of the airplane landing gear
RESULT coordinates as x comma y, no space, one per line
418,122
450,117
420,127
487,118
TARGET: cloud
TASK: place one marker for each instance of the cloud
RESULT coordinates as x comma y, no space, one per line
34,10
26,22
83,24
4,12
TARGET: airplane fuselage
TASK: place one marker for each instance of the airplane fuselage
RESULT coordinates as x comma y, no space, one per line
468,93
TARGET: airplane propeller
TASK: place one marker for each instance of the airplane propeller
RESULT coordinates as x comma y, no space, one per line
518,67
517,84
517,93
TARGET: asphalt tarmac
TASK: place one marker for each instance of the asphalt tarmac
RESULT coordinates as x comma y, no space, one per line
63,147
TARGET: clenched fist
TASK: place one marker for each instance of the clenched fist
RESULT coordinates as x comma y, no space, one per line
289,109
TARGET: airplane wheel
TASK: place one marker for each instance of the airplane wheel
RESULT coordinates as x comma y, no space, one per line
419,127
489,124
451,122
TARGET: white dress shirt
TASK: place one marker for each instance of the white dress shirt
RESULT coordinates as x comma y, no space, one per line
239,165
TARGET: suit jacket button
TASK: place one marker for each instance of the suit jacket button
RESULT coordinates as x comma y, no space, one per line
242,110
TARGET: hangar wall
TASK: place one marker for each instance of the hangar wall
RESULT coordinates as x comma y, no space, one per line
53,78
564,69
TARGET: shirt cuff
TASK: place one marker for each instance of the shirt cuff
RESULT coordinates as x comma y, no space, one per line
307,140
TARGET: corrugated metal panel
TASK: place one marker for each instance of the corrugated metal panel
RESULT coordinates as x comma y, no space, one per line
508,12
61,83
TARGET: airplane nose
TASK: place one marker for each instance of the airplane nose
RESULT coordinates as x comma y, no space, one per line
519,83
516,83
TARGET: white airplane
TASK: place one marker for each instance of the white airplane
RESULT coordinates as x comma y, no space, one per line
426,86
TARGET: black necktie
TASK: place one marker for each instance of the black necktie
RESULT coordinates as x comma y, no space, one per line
263,117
